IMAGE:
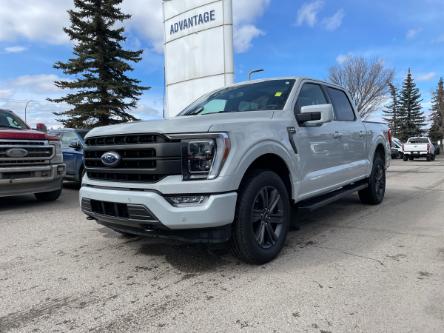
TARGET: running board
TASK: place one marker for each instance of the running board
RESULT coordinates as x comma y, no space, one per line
325,199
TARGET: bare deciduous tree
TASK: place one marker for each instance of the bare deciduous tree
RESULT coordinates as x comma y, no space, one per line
366,80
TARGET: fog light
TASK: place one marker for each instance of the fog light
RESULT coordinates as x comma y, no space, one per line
187,200
60,170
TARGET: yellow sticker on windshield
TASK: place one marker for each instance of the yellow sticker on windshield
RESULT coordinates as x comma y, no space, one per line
278,94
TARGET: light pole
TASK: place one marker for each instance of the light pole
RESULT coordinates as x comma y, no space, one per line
26,109
254,71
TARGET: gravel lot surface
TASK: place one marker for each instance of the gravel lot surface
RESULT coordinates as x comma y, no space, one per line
350,268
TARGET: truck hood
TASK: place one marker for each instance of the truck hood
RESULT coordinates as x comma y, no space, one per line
193,124
11,134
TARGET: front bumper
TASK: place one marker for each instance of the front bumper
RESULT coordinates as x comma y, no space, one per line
29,180
149,210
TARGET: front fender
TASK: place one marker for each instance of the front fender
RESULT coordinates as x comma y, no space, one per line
266,147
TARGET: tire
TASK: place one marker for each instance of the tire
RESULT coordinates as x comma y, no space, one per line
48,196
433,157
262,218
375,192
429,157
405,158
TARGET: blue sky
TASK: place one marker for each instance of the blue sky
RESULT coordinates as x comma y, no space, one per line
285,37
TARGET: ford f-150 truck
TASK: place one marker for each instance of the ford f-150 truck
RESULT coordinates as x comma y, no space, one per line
31,162
417,148
230,165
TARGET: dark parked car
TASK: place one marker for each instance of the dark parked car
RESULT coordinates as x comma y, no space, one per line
72,146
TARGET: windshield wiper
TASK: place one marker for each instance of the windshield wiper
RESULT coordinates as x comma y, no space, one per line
210,113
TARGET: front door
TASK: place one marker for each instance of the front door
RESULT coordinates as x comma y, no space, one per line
320,153
69,154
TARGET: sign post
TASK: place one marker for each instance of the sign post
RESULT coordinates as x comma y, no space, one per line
198,50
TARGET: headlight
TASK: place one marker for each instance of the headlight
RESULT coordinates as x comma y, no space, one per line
57,147
203,155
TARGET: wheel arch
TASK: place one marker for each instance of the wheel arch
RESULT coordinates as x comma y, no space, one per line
273,162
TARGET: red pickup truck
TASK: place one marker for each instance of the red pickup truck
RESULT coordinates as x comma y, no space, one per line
31,162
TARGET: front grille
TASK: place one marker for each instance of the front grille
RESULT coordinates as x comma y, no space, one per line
21,143
146,158
129,139
117,210
37,153
23,163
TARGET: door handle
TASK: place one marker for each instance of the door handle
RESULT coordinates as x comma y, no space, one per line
362,134
337,135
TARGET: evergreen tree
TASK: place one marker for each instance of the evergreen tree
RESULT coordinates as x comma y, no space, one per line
412,118
101,93
436,131
392,112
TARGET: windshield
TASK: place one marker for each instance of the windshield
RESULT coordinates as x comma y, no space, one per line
10,120
267,95
418,140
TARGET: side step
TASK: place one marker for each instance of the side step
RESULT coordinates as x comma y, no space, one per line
325,199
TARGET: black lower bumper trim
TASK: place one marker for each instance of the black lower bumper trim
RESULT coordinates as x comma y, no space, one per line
205,236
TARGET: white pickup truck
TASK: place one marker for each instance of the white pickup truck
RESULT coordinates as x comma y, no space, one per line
230,166
417,148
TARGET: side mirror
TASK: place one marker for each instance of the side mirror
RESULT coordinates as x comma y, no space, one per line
75,145
315,115
41,128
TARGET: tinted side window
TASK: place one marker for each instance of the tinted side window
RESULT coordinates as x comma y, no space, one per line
311,94
341,104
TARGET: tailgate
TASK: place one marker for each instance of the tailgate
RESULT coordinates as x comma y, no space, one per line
412,147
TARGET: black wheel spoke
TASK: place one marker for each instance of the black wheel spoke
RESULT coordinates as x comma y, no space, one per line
256,215
261,234
275,198
276,219
271,233
264,196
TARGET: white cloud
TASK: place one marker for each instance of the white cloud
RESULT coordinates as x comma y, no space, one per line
335,21
146,20
6,93
15,49
244,36
44,20
426,76
308,13
245,13
41,20
340,59
42,84
412,33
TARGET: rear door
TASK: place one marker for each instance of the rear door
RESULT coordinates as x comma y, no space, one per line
351,136
320,154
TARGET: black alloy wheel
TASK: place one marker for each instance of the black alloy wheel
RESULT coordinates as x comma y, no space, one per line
375,192
267,216
262,217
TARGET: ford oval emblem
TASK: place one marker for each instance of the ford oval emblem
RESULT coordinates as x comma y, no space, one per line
110,159
17,152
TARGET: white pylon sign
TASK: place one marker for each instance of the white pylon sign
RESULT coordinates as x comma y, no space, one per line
198,50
